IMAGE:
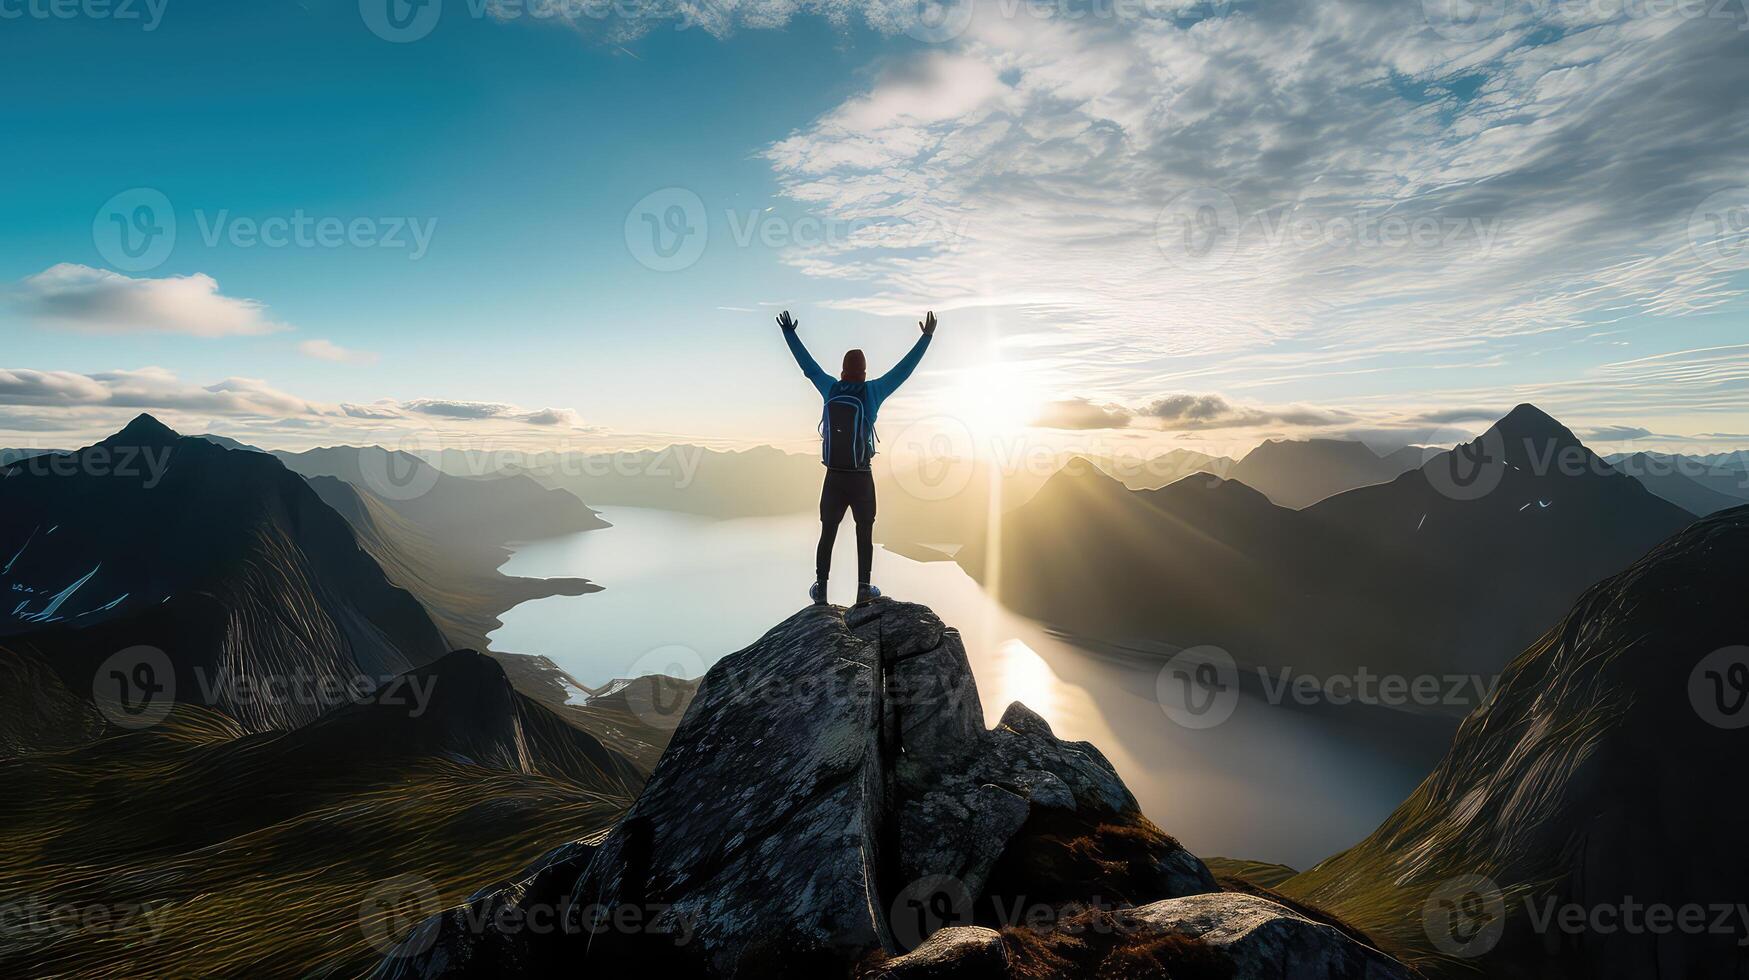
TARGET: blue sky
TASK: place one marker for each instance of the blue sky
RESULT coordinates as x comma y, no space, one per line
1030,175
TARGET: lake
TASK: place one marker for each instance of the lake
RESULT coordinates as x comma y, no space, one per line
1270,783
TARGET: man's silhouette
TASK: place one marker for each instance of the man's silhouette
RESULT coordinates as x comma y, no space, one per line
847,444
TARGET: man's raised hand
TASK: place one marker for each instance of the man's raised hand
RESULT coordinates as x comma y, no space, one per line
927,324
787,322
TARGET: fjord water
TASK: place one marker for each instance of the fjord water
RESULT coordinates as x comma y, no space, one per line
1270,783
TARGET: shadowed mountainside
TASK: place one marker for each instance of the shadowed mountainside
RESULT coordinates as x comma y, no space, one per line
1431,572
461,586
1595,778
224,560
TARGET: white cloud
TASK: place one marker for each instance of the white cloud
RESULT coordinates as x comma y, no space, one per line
327,350
470,411
1190,412
82,298
450,408
23,386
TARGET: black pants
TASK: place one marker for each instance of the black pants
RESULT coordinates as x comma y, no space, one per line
853,489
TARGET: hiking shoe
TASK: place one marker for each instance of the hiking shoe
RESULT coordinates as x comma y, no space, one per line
866,593
817,592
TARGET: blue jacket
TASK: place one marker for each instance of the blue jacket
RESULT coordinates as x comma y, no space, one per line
870,393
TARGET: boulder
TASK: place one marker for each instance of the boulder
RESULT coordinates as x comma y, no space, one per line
1262,940
1223,934
957,952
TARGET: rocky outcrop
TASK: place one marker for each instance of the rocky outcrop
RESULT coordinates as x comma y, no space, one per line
832,804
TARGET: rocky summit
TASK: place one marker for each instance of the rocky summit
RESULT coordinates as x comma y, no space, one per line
831,805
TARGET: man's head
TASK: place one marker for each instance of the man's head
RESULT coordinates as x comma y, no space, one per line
855,366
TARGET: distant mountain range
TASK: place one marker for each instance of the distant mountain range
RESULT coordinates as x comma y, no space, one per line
459,584
1425,571
489,510
1696,484
1596,779
757,482
1299,473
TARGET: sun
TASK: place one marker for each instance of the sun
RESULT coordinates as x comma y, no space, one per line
992,400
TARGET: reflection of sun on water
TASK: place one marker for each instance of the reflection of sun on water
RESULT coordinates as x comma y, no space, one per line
1022,675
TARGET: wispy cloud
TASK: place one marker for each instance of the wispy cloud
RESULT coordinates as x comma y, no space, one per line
327,350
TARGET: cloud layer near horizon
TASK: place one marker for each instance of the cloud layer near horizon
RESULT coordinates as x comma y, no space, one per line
51,401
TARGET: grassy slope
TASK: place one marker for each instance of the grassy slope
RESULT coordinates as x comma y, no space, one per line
1256,872
253,855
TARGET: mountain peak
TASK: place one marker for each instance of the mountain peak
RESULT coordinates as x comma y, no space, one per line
1528,421
144,430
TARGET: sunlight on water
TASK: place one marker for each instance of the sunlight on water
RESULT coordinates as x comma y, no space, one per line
1022,675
